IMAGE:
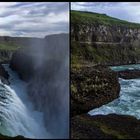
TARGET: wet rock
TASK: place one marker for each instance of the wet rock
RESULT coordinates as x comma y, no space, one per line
4,75
8,137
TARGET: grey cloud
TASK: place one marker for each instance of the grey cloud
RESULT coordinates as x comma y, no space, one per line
28,18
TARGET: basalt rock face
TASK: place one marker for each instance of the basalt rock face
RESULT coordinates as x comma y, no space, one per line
92,87
44,65
104,33
101,39
105,127
22,63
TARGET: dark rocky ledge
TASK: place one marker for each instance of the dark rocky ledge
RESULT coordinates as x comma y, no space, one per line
7,137
129,74
105,127
92,87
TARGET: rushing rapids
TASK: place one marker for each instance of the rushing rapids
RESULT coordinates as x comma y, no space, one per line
129,101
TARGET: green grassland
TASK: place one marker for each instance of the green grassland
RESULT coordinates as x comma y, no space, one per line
8,47
95,18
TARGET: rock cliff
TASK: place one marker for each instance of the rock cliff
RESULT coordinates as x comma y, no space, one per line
101,39
4,75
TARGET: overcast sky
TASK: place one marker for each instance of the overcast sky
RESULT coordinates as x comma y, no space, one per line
129,11
33,19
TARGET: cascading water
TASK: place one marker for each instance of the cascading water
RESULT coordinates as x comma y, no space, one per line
17,115
129,101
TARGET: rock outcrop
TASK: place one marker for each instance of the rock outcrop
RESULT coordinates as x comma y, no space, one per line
92,87
101,39
44,65
105,127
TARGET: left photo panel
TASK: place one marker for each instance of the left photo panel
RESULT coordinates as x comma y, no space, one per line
34,70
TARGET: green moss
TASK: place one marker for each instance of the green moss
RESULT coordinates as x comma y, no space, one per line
110,131
73,88
83,53
95,18
102,53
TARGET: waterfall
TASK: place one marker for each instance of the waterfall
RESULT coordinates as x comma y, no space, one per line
17,115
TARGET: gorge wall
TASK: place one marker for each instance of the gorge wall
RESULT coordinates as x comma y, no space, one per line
101,39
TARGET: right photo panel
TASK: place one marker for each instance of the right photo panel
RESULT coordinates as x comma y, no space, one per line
105,70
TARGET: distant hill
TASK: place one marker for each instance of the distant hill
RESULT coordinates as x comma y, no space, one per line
90,17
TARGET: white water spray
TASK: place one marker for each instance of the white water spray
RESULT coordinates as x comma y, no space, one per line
17,116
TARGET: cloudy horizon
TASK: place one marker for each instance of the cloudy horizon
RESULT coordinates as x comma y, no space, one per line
129,11
33,19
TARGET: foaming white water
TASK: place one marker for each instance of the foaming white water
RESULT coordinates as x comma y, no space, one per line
17,115
129,101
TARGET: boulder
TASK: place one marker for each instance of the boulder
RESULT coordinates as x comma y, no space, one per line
92,87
